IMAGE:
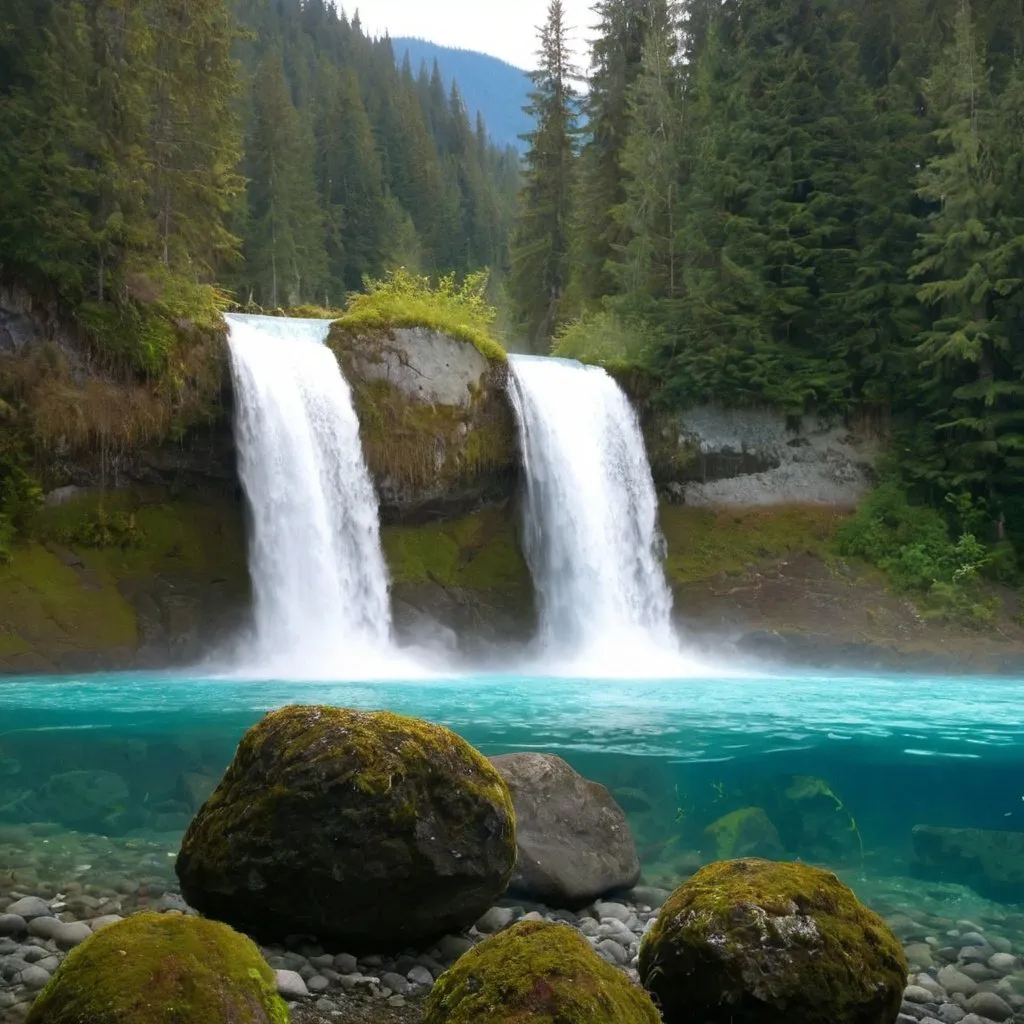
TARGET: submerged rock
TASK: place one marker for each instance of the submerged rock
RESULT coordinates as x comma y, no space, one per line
536,971
153,969
756,942
747,832
990,862
91,800
375,829
574,843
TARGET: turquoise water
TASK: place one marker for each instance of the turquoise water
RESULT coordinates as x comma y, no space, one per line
843,767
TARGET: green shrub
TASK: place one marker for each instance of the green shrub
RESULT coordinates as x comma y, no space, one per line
914,546
403,299
604,338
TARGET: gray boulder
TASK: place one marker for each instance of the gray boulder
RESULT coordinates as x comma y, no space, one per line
574,843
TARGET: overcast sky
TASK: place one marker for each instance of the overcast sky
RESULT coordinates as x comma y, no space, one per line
502,28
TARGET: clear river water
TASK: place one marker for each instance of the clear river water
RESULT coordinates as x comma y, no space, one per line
108,769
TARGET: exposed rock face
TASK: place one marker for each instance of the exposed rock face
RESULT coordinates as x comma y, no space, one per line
437,429
373,829
755,942
709,455
536,971
990,862
573,838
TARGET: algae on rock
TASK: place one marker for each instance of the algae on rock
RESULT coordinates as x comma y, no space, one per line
370,828
536,973
162,969
757,942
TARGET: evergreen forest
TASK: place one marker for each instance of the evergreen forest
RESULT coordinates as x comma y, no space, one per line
814,205
161,158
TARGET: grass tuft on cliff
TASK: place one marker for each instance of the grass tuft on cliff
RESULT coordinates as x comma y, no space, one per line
403,299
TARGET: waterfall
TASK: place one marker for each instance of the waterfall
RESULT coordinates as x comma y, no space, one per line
590,531
320,584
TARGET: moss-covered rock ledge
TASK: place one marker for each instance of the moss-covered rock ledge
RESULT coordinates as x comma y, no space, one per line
429,382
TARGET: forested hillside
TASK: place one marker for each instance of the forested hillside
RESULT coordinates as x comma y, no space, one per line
812,204
492,87
157,154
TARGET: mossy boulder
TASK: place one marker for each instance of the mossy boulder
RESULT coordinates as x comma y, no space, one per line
162,969
536,973
370,828
434,417
757,942
748,832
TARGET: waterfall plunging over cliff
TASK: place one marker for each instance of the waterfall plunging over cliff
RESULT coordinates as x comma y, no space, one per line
320,584
590,531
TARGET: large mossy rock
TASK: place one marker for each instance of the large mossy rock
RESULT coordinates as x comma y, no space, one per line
536,972
436,424
573,839
162,969
756,942
370,828
989,861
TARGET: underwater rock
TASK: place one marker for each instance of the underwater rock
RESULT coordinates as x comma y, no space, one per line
90,800
371,828
813,822
757,942
536,971
747,832
990,862
155,969
574,843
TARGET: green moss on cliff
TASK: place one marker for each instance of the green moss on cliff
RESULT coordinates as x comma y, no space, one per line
476,551
62,593
704,542
406,300
49,606
155,969
421,445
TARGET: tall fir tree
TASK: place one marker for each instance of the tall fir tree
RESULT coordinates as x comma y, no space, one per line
540,245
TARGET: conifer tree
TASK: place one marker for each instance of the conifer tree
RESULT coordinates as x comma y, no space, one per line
970,267
540,245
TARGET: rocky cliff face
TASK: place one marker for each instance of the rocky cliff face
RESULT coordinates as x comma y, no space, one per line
437,427
713,456
137,557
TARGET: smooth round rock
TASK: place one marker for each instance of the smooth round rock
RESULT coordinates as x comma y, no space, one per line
990,1005
759,942
574,842
369,828
34,977
1002,963
290,985
955,982
13,924
30,907
917,994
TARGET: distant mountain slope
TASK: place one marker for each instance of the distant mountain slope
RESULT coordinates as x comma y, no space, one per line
498,90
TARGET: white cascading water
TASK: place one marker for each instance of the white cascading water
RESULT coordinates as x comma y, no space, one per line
320,583
590,534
